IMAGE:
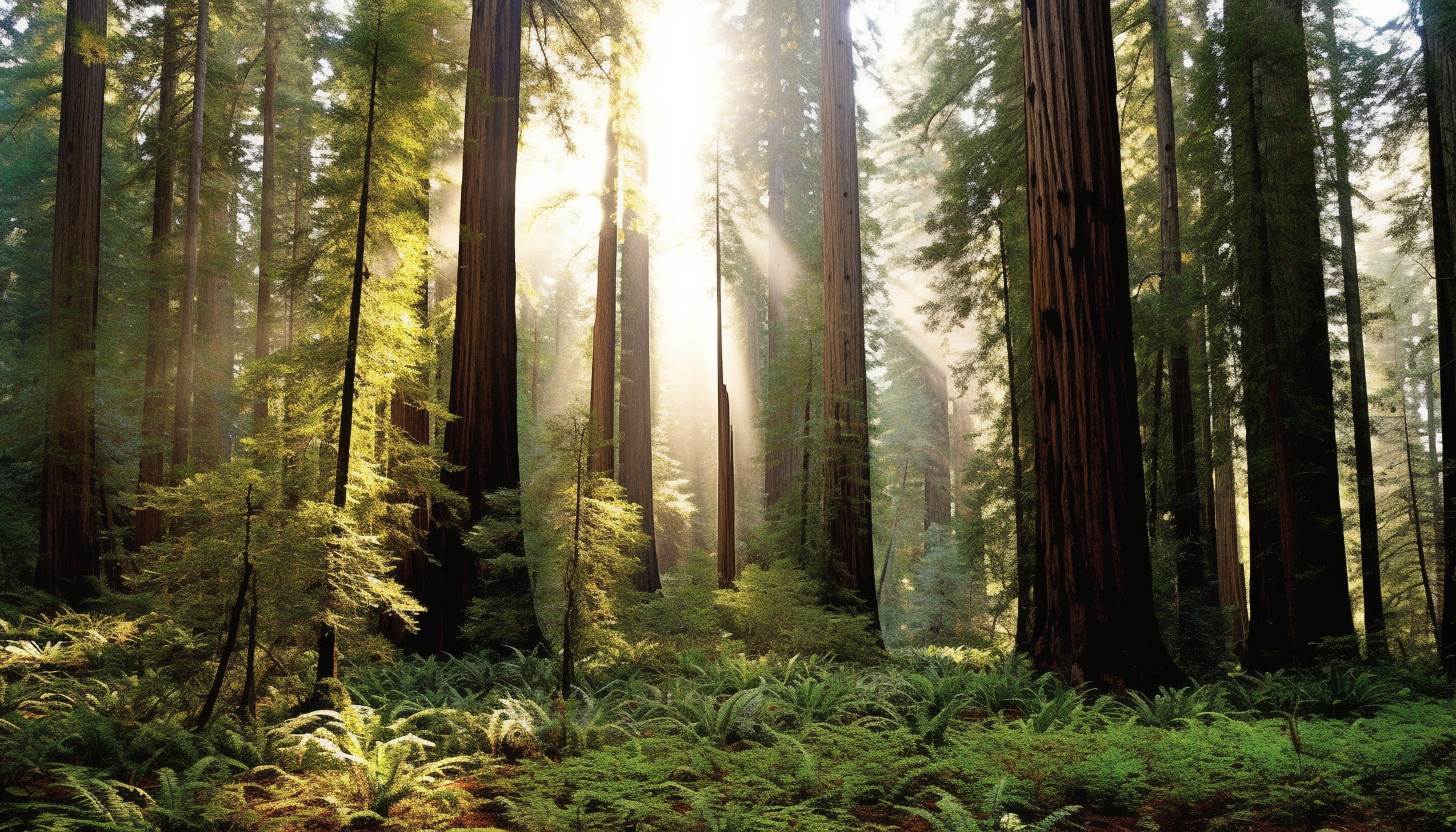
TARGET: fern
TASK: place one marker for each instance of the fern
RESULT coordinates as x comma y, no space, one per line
95,805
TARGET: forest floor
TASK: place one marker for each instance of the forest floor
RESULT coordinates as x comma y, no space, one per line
96,734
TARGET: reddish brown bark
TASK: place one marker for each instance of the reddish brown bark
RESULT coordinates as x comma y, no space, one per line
182,390
635,471
604,328
152,468
482,439
1094,620
1300,594
727,509
68,546
849,543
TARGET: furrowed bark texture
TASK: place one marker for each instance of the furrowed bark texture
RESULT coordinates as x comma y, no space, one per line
482,440
1300,592
635,472
1095,620
604,328
68,546
848,538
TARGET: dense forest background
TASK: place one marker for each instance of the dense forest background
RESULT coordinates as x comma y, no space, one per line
542,414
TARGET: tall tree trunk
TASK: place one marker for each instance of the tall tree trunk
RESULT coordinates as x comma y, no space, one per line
328,654
212,366
148,527
1154,464
1415,514
937,460
635,473
604,328
1232,589
1301,594
781,453
1026,560
1095,620
1439,41
1200,643
262,345
1375,641
482,440
182,390
68,546
727,503
849,542
1433,465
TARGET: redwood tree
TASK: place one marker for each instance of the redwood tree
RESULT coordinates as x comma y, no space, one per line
849,543
68,547
1300,593
481,441
1340,92
1094,619
604,328
182,391
148,527
1439,41
1199,619
635,472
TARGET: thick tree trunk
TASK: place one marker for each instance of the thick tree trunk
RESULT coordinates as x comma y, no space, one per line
328,658
1026,561
1095,621
1439,40
182,390
1375,642
1200,643
1301,594
849,542
262,345
482,440
604,328
148,527
936,468
68,547
635,473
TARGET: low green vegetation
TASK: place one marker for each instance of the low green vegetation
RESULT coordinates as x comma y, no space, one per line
95,734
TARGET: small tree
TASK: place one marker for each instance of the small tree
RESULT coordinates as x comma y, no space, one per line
582,543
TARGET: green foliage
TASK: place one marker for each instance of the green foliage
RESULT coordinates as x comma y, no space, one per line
775,609
382,761
952,816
